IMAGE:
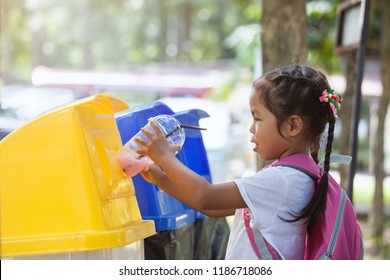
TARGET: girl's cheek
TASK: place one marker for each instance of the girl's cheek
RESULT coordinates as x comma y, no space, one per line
257,126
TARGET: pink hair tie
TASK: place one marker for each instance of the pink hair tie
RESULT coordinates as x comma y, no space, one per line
334,100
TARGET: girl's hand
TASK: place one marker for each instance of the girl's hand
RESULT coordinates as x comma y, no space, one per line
154,175
157,149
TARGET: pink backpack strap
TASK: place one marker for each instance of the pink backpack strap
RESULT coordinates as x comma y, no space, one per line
300,162
262,248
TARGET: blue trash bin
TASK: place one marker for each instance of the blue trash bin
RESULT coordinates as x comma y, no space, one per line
174,221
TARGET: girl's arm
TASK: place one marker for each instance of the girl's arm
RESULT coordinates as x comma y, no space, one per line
157,177
181,182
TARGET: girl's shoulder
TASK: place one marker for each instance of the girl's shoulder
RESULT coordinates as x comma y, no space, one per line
278,169
270,177
275,178
283,175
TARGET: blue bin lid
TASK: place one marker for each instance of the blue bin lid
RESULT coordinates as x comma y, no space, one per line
130,121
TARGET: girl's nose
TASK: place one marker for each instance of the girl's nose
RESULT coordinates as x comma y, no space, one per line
251,129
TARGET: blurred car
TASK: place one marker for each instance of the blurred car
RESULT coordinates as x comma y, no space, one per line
19,104
223,139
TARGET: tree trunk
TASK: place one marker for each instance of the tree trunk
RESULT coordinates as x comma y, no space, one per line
88,35
376,218
349,69
5,49
186,9
283,33
283,36
163,36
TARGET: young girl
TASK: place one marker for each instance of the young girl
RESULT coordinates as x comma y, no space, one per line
290,107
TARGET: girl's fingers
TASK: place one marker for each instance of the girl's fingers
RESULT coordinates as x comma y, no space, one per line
141,153
156,129
176,148
147,133
141,142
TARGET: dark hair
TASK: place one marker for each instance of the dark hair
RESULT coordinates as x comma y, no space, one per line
295,90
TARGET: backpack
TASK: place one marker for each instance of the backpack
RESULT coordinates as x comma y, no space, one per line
336,235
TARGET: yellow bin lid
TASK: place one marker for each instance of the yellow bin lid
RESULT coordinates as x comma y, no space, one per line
61,189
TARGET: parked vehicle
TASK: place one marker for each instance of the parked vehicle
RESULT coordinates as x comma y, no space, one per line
19,104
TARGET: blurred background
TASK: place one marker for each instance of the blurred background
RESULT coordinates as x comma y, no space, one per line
201,54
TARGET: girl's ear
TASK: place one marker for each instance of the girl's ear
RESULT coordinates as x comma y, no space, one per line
295,125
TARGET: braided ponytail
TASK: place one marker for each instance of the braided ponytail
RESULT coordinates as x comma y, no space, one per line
318,202
314,150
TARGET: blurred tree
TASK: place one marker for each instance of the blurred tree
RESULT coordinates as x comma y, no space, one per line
15,53
4,47
376,218
283,36
349,62
122,34
321,34
115,34
245,39
283,33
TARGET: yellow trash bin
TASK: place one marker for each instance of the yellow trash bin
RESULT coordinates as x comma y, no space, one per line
62,193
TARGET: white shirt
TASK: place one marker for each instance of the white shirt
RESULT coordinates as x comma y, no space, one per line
272,193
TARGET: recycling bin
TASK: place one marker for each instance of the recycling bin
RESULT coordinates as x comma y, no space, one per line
62,192
173,220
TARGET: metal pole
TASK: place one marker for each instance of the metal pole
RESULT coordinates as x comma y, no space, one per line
358,94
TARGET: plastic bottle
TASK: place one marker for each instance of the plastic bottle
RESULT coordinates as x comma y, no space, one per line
131,162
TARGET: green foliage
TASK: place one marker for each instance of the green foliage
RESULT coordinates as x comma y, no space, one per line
120,34
374,29
322,33
223,92
245,39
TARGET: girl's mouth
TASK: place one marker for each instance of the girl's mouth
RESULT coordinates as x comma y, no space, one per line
256,145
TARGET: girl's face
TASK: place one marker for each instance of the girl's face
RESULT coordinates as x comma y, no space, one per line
269,144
